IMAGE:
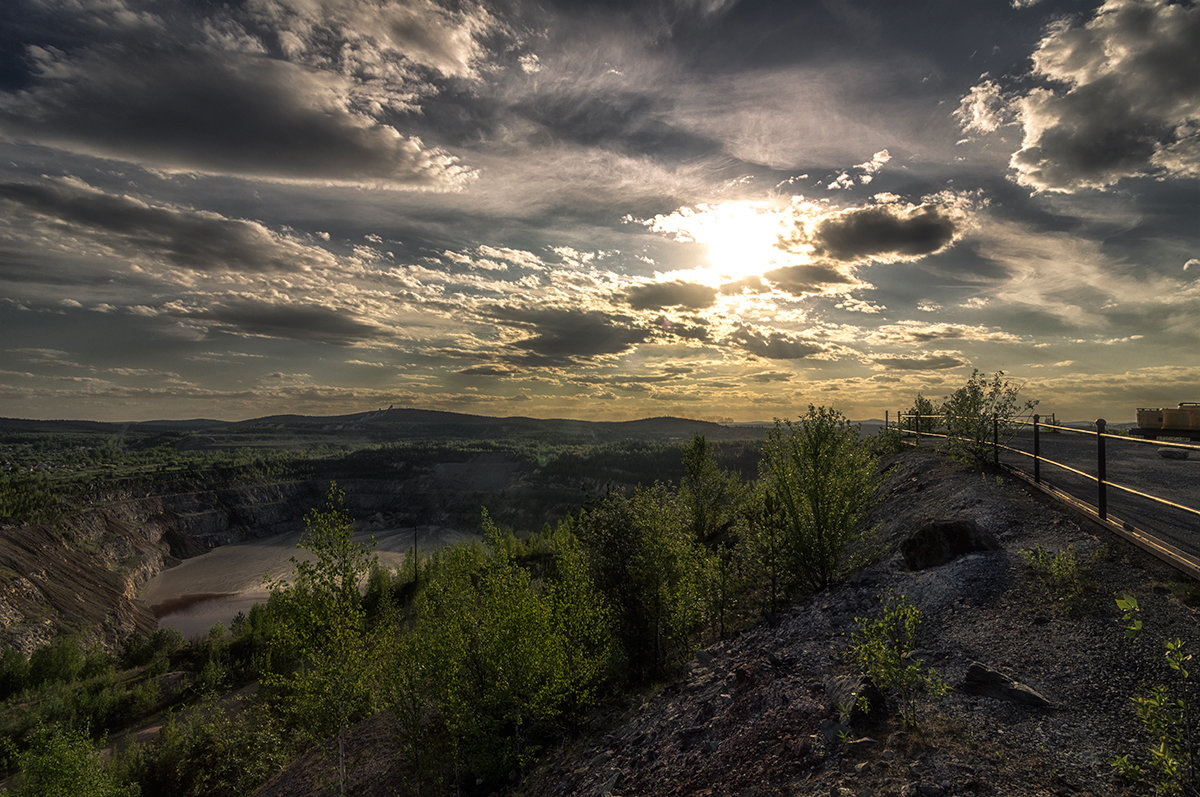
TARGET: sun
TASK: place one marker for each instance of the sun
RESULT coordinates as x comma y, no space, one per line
742,238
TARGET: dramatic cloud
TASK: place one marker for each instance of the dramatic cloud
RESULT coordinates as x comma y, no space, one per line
804,280
362,36
193,110
775,345
937,361
984,109
656,295
885,232
234,207
1123,100
916,332
562,335
311,323
134,230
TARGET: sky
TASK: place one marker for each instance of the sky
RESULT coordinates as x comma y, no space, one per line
718,209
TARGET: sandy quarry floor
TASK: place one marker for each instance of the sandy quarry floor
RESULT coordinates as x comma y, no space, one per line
214,587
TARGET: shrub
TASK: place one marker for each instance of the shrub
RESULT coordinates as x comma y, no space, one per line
921,415
62,763
1170,713
1063,575
817,481
212,750
881,649
14,673
970,411
141,651
58,662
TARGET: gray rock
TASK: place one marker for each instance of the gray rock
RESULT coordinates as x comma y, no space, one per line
983,680
857,699
1172,453
937,542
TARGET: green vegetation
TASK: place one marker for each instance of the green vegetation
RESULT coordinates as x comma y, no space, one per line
881,648
1170,714
323,627
1063,576
971,410
818,482
483,654
62,763
921,416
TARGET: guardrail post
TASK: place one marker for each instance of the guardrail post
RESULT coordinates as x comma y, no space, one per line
1101,471
995,438
886,413
1037,450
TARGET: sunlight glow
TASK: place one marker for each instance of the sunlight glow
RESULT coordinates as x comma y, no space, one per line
742,238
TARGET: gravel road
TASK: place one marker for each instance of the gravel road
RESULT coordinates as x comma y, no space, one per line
1131,462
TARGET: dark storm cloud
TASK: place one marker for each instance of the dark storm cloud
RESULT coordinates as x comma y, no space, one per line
656,295
930,362
883,231
775,345
800,280
192,239
219,113
312,323
562,335
1122,98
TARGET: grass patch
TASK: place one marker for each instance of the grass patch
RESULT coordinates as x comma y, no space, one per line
1063,576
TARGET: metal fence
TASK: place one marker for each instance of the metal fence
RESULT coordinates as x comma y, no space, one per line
1185,555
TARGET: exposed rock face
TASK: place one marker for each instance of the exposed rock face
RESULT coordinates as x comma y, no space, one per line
984,681
83,573
937,542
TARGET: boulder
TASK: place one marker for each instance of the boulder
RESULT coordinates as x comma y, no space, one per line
937,542
856,698
983,680
1172,453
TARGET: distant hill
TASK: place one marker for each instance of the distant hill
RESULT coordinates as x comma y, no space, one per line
382,426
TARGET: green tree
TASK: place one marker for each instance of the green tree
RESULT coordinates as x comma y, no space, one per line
323,623
924,412
583,628
62,763
647,563
494,667
970,411
713,501
818,481
711,497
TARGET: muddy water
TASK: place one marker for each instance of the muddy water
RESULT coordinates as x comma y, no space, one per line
214,587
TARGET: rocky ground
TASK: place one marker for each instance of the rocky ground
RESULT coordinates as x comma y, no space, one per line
754,714
758,714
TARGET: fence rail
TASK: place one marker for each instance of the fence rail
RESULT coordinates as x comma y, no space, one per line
921,426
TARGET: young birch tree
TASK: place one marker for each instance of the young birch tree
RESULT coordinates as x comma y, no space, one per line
324,623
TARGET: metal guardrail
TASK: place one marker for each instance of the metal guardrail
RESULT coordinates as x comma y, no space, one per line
1164,550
